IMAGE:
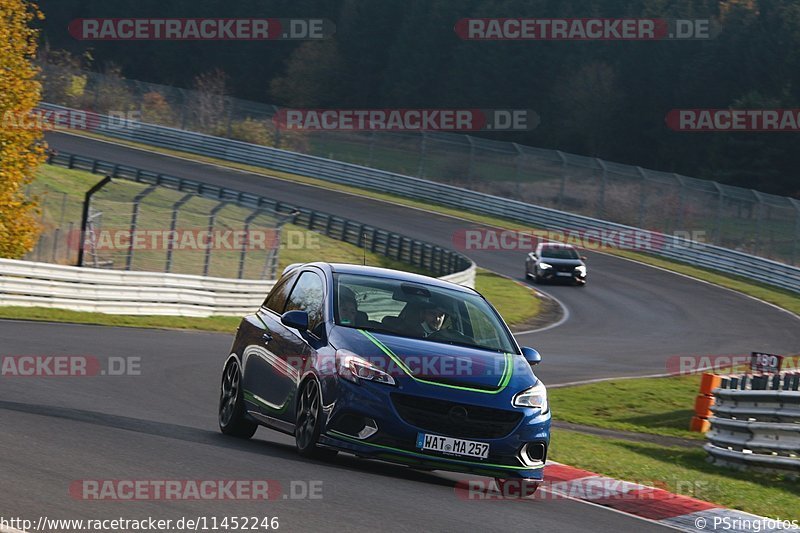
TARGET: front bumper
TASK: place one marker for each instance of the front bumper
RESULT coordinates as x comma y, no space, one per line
551,274
395,440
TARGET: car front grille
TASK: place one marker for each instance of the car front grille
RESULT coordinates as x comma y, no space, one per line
455,419
564,268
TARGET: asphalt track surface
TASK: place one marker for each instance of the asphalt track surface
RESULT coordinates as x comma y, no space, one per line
161,424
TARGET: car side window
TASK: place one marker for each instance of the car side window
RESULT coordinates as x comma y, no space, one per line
276,300
308,295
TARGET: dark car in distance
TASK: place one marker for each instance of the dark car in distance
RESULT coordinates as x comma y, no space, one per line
388,365
556,262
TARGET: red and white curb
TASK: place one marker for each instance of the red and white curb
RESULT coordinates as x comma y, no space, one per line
655,504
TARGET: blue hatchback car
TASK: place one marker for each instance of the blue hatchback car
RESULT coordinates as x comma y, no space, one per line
388,365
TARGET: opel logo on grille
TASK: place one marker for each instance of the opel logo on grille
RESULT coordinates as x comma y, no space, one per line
458,413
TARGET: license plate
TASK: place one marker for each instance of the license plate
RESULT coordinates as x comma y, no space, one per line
564,274
452,446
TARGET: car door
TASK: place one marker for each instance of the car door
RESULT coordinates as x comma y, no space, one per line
283,356
266,344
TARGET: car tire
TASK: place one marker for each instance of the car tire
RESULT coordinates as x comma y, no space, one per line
232,418
308,422
517,488
536,277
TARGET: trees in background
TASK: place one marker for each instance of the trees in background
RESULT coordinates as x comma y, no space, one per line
21,150
602,99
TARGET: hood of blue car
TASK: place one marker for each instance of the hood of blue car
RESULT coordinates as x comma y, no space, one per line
436,362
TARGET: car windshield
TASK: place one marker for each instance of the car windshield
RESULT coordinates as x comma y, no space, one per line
419,310
559,253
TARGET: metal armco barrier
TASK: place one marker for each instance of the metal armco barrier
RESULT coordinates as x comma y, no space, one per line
29,284
435,259
671,247
758,429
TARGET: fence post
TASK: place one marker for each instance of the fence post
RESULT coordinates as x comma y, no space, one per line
135,221
563,187
601,204
184,107
246,242
643,197
231,108
212,218
796,247
720,206
471,172
681,201
56,233
759,220
423,148
371,147
87,199
173,225
70,236
276,143
518,168
63,209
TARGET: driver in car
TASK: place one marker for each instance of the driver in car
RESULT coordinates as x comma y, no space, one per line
431,319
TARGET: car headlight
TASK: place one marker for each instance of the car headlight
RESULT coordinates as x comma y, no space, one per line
535,397
580,269
545,266
353,368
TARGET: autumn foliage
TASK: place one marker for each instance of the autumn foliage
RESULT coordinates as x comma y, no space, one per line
21,149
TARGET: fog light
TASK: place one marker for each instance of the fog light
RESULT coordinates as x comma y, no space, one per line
535,452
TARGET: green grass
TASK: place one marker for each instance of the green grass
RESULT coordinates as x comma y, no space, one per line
779,297
661,406
215,324
299,245
515,302
680,470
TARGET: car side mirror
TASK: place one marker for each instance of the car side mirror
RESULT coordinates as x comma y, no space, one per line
295,319
531,356
583,258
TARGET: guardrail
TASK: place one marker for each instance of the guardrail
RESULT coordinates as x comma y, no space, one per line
671,247
435,259
756,429
29,284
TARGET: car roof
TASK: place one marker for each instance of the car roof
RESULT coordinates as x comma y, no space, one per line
378,272
555,245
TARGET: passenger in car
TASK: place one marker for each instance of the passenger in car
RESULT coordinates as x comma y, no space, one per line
349,315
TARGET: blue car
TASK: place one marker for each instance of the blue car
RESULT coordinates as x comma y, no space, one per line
392,366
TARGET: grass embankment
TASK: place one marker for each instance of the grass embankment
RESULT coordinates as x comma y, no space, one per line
660,406
680,470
